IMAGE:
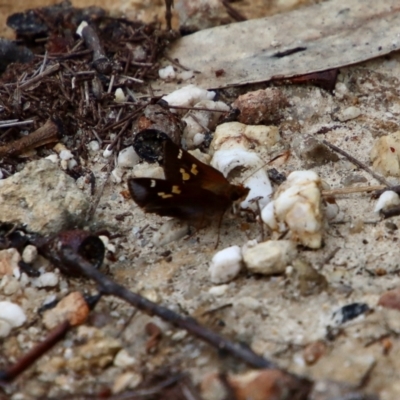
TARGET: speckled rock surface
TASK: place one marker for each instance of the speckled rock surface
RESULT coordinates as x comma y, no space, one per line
42,197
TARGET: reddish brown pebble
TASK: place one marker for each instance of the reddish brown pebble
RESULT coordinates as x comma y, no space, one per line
261,106
72,308
387,345
313,352
390,299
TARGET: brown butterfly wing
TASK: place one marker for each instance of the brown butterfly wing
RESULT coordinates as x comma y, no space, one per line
174,199
179,165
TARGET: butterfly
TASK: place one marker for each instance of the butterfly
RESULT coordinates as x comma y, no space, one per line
191,191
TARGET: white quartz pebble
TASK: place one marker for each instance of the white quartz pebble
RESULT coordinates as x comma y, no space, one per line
127,157
29,254
188,96
167,73
65,155
386,200
93,145
53,158
119,96
47,279
107,152
11,314
271,257
225,265
297,206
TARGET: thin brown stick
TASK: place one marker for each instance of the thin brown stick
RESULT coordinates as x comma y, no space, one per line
48,71
14,122
109,287
35,353
169,4
48,133
360,164
349,190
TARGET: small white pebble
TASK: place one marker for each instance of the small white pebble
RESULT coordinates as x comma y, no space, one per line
123,359
53,158
387,199
93,146
349,113
119,96
64,164
1,174
107,152
289,270
48,279
179,335
185,75
188,96
198,139
80,28
167,73
127,158
226,265
65,155
104,239
218,290
12,313
72,163
270,257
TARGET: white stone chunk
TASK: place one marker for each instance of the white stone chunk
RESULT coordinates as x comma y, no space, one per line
385,154
107,152
12,314
127,157
271,257
167,73
80,28
297,206
65,155
29,254
123,359
93,146
47,279
349,113
188,96
119,96
226,265
386,200
218,290
53,158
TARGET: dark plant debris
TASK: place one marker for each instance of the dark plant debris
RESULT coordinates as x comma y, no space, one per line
62,81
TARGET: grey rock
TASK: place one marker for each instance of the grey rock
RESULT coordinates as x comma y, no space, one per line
43,198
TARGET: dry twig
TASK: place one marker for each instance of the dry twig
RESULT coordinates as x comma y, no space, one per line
360,164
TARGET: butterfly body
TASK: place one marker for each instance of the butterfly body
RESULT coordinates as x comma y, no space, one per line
191,190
